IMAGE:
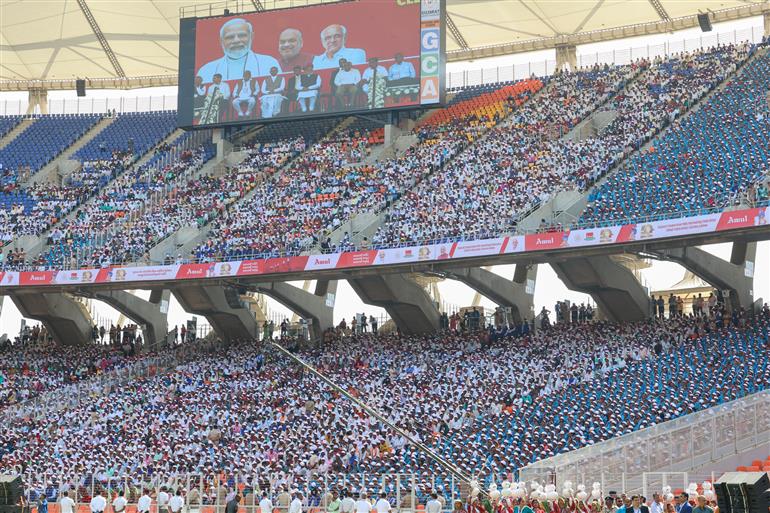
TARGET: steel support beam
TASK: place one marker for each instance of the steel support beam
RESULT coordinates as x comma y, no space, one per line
610,34
100,37
455,33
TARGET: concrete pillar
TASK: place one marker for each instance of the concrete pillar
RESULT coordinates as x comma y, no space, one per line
566,57
766,18
391,133
222,307
37,98
615,289
317,307
67,320
151,315
219,138
517,294
406,302
736,276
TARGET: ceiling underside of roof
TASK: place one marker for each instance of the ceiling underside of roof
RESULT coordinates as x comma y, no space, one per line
58,39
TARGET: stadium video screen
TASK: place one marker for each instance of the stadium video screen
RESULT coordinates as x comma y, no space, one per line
326,59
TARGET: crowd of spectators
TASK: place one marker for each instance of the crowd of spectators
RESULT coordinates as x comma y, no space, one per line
704,160
490,404
525,161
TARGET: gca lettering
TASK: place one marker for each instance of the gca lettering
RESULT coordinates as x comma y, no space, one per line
429,64
430,40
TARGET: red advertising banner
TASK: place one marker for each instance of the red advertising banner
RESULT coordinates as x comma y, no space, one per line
708,223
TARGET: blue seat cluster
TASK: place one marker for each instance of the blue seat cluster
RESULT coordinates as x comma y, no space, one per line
137,131
43,141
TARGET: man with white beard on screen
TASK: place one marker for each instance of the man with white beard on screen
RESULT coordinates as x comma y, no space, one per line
236,37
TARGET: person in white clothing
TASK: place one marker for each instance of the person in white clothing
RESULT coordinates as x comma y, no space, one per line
347,80
163,498
219,87
176,503
272,94
347,504
244,92
363,505
98,503
235,36
67,505
371,73
333,39
144,503
265,505
307,90
296,504
433,505
119,504
382,505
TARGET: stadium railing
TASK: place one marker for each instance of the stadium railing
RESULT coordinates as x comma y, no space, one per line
204,492
443,240
642,460
76,394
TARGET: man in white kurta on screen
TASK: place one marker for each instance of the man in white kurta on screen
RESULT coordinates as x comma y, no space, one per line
244,94
273,88
236,37
333,39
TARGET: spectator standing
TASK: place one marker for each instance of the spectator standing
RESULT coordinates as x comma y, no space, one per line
176,503
66,504
382,505
701,506
120,502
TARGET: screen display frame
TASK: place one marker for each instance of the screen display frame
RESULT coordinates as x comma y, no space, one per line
431,62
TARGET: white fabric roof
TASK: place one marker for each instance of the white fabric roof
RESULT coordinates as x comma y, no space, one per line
52,39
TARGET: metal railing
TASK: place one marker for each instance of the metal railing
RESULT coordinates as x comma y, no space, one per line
76,394
680,445
208,493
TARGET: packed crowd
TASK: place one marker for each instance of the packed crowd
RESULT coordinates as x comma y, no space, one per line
32,363
704,161
328,184
137,210
496,405
300,192
523,162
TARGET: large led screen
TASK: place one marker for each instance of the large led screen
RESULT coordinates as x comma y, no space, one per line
326,59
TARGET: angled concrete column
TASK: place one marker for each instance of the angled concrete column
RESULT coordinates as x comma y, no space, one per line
517,294
615,289
222,307
318,307
151,315
566,57
406,302
735,276
67,320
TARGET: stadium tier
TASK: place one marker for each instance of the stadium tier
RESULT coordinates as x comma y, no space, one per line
476,169
41,142
489,401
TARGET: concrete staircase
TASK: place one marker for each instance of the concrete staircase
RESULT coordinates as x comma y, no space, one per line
10,136
63,165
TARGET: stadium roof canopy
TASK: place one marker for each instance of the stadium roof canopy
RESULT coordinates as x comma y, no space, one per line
133,43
